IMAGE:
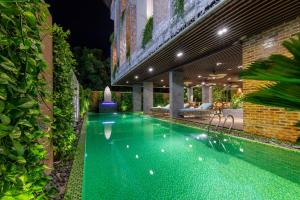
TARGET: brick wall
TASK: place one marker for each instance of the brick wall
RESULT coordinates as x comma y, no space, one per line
46,106
263,120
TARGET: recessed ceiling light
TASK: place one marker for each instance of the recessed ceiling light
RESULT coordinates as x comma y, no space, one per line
164,86
222,31
203,83
219,63
136,77
161,80
199,76
229,69
127,82
213,77
179,54
224,85
150,69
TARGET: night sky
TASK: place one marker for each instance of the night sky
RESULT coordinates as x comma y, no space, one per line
88,20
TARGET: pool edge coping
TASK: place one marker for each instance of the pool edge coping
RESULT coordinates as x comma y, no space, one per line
74,188
233,136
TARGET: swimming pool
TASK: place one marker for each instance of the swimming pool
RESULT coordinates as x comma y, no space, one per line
130,156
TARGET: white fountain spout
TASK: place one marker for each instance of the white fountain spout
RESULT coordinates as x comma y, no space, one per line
107,94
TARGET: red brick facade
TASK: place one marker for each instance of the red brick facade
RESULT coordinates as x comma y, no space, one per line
262,120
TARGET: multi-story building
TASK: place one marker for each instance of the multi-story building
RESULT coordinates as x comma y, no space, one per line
192,43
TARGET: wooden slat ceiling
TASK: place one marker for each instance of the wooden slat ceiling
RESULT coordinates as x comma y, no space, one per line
201,43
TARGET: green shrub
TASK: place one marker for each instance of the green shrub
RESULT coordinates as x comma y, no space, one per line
158,99
63,91
236,101
84,100
21,122
147,34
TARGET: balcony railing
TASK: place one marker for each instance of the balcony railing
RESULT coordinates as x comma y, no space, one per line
166,30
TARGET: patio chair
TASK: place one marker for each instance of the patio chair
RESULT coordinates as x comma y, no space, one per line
201,111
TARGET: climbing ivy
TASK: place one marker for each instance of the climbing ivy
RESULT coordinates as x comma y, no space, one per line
147,34
21,63
84,100
63,91
179,8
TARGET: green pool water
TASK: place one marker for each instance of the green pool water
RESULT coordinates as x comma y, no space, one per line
130,156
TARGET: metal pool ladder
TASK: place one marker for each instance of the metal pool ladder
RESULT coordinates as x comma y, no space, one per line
219,122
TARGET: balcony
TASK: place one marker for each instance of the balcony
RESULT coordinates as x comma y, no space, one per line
167,29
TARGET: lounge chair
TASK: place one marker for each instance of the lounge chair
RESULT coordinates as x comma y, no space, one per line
203,110
160,109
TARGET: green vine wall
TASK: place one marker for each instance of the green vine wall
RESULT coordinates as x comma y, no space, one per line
179,8
147,34
21,62
63,91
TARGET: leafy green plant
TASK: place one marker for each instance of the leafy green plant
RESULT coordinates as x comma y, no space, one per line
147,34
283,74
21,86
63,91
158,99
84,100
218,94
112,38
179,8
236,101
126,104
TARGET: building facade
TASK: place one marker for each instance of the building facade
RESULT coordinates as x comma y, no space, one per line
202,43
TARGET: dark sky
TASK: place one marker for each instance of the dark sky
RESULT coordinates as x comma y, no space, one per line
88,20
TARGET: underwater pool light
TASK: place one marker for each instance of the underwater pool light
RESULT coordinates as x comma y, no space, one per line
108,122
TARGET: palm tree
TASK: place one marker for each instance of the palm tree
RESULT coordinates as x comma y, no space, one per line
283,72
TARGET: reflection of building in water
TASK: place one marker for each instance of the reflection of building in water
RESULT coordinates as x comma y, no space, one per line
107,131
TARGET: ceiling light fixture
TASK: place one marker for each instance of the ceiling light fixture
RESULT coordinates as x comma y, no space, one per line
203,83
161,80
222,31
199,76
127,82
219,63
136,77
179,54
228,79
229,69
150,69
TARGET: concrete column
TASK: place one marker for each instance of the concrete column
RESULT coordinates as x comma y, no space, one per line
207,96
176,92
190,94
147,96
137,98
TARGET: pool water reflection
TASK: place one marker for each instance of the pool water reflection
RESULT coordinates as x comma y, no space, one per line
139,157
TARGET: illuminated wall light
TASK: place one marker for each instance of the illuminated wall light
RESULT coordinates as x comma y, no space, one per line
150,69
179,54
222,31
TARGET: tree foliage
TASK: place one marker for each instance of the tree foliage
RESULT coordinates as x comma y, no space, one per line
93,71
21,62
63,92
283,72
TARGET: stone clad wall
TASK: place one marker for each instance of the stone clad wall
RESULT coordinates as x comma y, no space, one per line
263,120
